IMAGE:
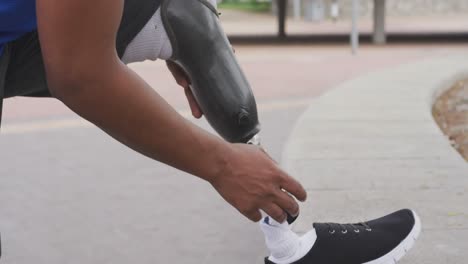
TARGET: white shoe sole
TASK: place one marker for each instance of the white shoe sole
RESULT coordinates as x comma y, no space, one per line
397,253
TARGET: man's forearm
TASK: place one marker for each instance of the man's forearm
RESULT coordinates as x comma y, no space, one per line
128,109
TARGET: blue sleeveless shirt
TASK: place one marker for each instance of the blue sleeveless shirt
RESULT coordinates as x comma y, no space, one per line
17,17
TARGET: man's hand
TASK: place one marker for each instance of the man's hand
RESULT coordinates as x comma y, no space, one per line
251,181
183,80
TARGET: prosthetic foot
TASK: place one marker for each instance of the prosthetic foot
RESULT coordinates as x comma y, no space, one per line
202,50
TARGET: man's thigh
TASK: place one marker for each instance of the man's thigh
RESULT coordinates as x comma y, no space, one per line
26,74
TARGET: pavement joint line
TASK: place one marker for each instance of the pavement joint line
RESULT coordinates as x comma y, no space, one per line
75,122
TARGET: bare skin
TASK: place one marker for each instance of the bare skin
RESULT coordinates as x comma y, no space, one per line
84,72
183,80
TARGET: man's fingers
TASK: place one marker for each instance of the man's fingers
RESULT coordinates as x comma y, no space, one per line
182,80
172,68
254,216
287,203
275,212
294,187
194,107
179,75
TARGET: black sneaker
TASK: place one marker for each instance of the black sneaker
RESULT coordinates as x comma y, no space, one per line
382,241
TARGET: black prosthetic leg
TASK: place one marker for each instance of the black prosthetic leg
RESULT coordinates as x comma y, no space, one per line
202,50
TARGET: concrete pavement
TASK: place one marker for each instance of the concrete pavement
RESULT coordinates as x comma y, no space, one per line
370,146
70,194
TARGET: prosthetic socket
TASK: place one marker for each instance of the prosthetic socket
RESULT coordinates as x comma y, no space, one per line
201,48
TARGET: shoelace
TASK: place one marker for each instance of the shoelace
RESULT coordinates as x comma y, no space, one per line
356,228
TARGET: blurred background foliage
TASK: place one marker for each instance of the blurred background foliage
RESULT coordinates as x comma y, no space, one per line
246,5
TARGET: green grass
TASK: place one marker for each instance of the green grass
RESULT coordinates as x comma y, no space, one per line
246,6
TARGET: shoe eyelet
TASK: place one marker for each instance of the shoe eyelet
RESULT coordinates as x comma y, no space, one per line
357,231
344,231
332,232
369,229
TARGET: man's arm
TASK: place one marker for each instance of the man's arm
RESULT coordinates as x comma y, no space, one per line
83,70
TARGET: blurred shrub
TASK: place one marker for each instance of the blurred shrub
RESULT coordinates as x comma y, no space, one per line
247,5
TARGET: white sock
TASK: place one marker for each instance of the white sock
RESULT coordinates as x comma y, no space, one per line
152,42
284,245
